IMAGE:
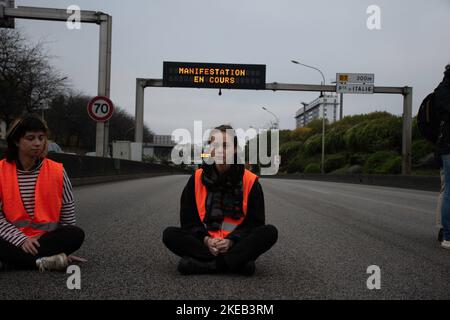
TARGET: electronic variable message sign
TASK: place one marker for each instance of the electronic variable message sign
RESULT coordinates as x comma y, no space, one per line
214,75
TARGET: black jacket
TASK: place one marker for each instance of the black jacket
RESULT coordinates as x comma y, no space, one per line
190,218
442,104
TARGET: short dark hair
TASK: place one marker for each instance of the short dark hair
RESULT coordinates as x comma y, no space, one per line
18,129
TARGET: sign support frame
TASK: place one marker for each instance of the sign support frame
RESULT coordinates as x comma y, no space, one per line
105,39
406,92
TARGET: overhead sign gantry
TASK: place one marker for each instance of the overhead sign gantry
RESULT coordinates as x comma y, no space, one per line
182,74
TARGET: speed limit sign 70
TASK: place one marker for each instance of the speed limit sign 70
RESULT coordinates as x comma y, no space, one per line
100,109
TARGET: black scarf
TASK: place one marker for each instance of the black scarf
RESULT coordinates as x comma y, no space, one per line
224,194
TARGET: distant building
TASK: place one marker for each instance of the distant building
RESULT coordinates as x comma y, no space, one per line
313,110
160,147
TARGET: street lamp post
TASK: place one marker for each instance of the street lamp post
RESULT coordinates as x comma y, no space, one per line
277,120
323,113
341,104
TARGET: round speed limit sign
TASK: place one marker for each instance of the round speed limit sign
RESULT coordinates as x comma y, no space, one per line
100,109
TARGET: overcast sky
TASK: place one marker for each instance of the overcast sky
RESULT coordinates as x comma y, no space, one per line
412,48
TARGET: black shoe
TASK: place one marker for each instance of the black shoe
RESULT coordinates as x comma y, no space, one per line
193,266
441,235
248,269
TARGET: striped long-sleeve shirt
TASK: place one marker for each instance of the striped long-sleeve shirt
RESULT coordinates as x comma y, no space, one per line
27,184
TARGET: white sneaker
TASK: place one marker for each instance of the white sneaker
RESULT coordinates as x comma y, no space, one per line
57,262
445,244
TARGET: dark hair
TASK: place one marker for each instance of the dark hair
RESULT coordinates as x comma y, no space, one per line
18,129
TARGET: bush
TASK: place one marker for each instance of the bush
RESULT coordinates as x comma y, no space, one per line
375,135
392,166
290,149
300,134
334,162
313,145
375,164
416,135
356,169
420,149
312,168
316,126
358,159
294,165
285,136
334,140
148,159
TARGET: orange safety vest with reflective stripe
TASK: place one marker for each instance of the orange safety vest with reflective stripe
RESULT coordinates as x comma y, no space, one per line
48,196
228,224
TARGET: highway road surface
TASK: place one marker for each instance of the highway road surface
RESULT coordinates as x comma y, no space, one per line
329,234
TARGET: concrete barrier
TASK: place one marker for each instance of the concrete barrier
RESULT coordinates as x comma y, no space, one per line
427,183
84,170
85,166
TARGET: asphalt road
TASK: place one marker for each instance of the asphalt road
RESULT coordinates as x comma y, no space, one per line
329,233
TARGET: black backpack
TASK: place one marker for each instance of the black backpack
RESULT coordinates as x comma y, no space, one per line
428,119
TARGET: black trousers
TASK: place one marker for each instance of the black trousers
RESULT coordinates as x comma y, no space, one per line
67,239
247,249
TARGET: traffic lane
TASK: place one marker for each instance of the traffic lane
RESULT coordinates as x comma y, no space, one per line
352,234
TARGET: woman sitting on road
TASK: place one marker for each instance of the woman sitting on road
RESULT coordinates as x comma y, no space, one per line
222,215
37,210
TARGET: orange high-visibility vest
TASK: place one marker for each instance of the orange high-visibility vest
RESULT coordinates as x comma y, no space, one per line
228,224
48,196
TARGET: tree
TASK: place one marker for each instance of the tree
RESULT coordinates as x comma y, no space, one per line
27,80
71,126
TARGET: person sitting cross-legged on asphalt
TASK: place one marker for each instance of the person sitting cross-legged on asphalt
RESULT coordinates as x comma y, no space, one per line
222,215
37,210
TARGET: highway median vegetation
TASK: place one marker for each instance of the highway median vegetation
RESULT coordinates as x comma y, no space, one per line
358,144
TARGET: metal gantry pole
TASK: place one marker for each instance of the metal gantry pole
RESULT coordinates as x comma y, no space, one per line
139,113
104,75
407,131
104,80
322,166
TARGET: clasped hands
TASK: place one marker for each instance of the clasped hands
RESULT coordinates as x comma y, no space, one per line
217,245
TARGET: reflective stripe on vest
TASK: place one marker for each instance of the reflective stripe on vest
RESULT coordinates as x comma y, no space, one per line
228,227
229,224
49,226
48,198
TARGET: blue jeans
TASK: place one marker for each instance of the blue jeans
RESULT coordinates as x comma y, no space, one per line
445,209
